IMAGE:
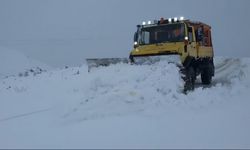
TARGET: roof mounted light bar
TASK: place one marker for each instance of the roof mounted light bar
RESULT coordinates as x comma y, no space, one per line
162,21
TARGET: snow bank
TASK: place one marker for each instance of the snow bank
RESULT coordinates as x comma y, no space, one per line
124,89
13,62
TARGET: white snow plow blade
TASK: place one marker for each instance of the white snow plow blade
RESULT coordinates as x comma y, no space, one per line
96,62
154,59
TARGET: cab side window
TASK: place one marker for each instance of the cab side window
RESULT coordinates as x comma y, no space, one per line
203,35
200,35
207,37
190,34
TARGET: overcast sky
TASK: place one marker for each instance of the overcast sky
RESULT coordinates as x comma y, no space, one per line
64,32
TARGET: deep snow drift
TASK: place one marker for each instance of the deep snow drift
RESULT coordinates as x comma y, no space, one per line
124,106
13,63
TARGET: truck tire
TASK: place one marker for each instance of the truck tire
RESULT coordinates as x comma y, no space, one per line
189,79
206,77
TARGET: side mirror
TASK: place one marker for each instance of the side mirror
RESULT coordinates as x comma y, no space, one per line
190,35
136,37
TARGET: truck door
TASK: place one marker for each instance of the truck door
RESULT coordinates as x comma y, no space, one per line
204,42
192,49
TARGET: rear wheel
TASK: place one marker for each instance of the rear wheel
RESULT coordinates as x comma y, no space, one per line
207,73
206,77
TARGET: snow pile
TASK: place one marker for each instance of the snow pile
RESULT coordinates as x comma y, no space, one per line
115,90
13,62
124,89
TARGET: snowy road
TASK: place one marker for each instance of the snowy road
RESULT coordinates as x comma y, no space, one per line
123,106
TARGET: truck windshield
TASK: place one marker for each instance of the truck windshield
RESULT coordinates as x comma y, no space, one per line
162,33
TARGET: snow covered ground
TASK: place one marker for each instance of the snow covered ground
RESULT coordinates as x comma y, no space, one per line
124,106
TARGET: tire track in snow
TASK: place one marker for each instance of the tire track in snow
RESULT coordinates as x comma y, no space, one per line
225,70
24,114
227,64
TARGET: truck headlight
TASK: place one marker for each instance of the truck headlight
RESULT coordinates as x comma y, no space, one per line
175,19
169,20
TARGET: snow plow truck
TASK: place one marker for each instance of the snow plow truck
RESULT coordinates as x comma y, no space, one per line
190,41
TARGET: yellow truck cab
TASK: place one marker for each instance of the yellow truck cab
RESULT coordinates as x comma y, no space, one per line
176,36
